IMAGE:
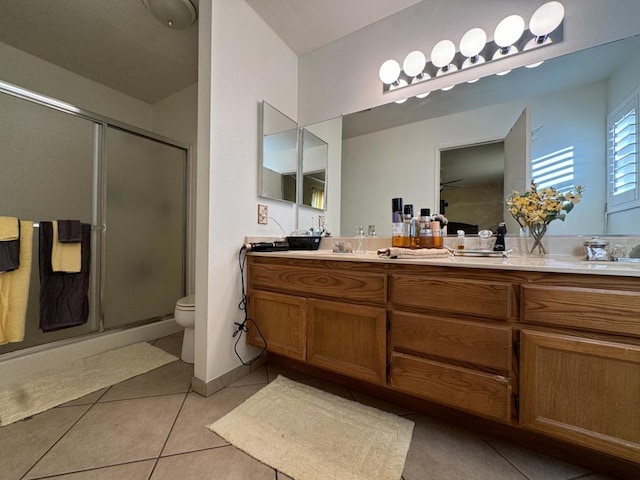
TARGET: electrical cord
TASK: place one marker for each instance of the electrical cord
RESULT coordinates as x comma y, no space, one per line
241,327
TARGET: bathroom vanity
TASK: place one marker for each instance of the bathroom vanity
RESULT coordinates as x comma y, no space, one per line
545,346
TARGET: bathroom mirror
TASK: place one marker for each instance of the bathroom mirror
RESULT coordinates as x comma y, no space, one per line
315,160
395,150
278,155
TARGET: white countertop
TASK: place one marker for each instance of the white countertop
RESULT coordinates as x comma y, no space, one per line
548,263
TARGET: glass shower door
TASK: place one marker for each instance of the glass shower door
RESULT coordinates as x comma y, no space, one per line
145,237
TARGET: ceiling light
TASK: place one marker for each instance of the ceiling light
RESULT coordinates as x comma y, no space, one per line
389,72
175,14
414,63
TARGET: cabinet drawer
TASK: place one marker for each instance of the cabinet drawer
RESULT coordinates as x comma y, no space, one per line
471,342
612,311
477,392
344,285
282,321
468,297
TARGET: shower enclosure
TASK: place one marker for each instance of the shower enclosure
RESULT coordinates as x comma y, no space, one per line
59,162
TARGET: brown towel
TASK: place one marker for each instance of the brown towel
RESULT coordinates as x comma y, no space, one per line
14,290
64,300
69,231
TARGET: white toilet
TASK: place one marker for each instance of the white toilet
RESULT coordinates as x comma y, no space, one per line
185,316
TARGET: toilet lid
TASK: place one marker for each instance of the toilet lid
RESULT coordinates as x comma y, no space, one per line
186,303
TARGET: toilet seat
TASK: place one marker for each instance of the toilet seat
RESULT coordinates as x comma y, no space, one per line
186,304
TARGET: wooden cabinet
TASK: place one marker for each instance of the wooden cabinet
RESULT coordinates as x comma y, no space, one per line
349,339
557,354
582,390
282,320
326,317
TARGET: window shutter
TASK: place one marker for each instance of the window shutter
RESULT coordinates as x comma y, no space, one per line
622,163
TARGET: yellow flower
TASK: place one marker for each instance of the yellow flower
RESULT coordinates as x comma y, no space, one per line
542,206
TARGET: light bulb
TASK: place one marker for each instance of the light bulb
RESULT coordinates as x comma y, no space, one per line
423,77
401,83
501,54
442,53
472,42
508,31
546,19
451,68
414,63
389,72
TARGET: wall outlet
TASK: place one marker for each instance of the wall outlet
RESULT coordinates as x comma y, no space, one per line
263,214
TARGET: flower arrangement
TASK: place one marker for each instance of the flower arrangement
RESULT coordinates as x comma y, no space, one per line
537,208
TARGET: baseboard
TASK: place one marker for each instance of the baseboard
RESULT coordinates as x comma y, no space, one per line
206,389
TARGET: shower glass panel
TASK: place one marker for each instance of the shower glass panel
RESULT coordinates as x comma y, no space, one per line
48,165
145,238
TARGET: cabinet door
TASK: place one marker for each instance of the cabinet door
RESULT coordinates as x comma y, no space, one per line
282,321
582,390
348,339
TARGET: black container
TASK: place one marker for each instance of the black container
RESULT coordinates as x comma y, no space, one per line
304,243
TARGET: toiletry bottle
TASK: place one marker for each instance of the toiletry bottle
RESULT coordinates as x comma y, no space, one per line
359,241
425,238
397,226
371,232
438,241
460,239
406,229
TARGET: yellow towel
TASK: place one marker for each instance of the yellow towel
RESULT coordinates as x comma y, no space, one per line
65,257
14,290
9,229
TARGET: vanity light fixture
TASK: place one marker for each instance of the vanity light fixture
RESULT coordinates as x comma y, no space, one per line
510,38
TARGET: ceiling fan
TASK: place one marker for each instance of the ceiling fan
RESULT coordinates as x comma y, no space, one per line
448,184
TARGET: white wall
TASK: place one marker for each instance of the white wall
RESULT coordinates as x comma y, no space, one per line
247,63
342,77
25,70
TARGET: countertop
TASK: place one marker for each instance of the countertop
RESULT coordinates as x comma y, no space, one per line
548,263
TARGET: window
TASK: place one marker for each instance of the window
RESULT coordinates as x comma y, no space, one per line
622,156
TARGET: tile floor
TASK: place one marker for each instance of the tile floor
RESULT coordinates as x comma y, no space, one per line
152,427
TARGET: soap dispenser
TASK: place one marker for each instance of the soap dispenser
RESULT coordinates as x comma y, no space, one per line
502,231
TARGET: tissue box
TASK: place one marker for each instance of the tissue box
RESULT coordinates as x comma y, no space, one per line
304,243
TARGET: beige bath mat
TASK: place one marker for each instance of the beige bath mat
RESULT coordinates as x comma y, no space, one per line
76,379
309,434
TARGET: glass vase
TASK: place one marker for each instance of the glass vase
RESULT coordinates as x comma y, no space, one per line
537,231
